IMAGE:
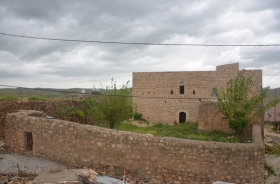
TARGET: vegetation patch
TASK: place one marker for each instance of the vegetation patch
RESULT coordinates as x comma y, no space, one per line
182,130
35,98
275,150
9,98
269,169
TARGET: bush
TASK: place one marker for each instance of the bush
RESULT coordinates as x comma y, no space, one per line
35,98
137,116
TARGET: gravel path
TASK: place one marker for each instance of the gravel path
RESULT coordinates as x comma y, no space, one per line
8,163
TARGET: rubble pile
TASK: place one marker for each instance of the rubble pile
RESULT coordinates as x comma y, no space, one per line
17,178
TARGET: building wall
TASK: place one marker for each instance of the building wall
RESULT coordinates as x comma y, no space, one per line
142,156
154,99
269,114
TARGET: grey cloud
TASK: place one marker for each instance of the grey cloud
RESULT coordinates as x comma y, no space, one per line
133,21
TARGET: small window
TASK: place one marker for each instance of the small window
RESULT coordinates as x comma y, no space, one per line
171,92
182,89
29,141
193,92
199,99
224,120
214,92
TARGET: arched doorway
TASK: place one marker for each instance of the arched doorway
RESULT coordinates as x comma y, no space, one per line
182,117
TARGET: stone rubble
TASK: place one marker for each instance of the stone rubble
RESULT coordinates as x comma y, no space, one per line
17,178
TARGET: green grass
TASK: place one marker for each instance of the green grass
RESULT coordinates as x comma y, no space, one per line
35,98
269,169
275,150
9,98
182,130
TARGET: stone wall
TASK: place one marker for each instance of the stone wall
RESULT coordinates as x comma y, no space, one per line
142,156
211,119
49,107
157,94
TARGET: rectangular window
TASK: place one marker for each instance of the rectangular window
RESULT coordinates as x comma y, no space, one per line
182,90
214,92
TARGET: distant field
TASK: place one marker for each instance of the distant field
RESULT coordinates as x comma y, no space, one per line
44,93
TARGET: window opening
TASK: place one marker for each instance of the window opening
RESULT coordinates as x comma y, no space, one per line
171,92
182,89
224,120
29,141
214,92
193,92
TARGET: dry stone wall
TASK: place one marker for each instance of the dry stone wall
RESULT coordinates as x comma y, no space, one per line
49,107
141,155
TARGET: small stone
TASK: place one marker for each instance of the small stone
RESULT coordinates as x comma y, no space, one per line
265,174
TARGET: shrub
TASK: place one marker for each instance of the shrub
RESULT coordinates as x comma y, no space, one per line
137,116
35,98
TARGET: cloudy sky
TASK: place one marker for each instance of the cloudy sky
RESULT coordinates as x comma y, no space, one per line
56,64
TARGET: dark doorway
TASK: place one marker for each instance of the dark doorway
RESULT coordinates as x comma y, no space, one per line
182,117
29,141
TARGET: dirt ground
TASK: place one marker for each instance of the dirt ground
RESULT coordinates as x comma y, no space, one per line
9,161
273,160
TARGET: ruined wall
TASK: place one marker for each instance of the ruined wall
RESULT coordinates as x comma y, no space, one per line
49,107
157,94
143,156
211,118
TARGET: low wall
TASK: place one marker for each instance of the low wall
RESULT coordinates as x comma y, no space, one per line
49,107
141,155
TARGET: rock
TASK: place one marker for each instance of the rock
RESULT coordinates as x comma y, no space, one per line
268,140
265,174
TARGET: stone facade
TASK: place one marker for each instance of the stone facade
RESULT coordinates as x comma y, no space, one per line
176,96
142,156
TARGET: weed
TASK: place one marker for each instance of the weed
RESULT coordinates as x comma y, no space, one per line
137,116
275,150
269,169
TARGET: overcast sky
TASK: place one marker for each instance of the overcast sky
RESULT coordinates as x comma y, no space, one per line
55,64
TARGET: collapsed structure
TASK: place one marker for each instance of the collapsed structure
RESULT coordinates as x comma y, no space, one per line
182,96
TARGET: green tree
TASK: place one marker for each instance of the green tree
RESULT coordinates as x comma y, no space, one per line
89,108
115,105
241,101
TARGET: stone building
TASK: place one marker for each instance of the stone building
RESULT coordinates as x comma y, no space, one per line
178,96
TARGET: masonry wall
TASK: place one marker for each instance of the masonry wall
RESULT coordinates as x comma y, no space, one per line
143,156
157,94
49,107
210,118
